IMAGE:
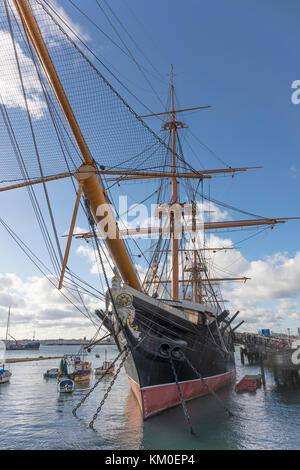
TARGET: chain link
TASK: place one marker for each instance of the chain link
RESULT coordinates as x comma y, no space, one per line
206,384
186,413
91,424
95,385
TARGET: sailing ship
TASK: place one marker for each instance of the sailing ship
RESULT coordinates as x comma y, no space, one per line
5,374
167,317
19,345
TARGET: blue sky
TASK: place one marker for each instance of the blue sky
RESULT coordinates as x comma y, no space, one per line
241,58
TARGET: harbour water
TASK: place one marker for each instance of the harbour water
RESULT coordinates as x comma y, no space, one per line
35,416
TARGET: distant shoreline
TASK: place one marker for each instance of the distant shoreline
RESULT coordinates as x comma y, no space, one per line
75,344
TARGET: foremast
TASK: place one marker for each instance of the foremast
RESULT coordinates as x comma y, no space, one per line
89,182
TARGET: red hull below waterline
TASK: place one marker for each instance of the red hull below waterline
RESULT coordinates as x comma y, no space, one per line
154,399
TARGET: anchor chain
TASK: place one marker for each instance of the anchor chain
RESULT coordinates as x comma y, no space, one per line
95,385
91,424
185,410
206,384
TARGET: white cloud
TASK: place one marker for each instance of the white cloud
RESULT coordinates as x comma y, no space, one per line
37,305
11,93
77,231
63,19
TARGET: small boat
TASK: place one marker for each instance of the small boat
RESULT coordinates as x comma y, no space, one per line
5,375
249,383
106,368
65,386
81,372
51,374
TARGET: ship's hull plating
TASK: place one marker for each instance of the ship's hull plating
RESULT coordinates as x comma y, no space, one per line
203,358
153,400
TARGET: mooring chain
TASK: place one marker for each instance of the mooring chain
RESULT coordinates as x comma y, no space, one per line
185,410
96,383
206,384
91,424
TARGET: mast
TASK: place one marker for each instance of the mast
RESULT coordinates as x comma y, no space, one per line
7,326
172,126
174,199
91,183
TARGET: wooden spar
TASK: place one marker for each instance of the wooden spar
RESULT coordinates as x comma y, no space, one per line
205,174
205,226
218,279
71,231
195,249
33,182
176,111
92,186
174,245
133,175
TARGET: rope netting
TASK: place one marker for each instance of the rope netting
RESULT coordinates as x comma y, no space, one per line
116,136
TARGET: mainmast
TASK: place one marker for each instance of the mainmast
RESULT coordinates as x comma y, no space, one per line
172,126
174,199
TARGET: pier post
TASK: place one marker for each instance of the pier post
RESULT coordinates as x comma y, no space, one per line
242,355
275,371
262,369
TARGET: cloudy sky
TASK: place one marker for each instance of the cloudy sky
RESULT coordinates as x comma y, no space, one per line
239,57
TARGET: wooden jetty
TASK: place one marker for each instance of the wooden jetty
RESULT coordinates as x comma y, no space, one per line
272,353
28,359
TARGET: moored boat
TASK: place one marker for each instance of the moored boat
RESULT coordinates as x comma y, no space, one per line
5,375
82,371
106,368
51,373
65,385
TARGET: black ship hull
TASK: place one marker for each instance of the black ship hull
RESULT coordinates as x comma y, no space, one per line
202,355
32,345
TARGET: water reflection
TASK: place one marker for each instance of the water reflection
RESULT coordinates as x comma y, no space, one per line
132,434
